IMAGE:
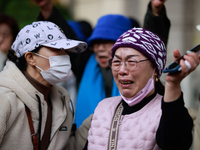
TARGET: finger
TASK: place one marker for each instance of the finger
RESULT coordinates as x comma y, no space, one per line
184,68
176,54
193,59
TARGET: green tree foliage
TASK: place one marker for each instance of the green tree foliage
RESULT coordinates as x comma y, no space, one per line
26,11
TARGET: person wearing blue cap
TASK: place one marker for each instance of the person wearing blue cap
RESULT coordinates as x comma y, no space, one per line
97,81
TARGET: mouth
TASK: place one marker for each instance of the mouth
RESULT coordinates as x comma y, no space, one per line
103,59
126,82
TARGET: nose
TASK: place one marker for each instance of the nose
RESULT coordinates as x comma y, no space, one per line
123,69
100,47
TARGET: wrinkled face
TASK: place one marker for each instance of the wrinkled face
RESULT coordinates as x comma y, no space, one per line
129,82
6,38
102,50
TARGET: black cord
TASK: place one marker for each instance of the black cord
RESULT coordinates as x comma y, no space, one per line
72,107
40,122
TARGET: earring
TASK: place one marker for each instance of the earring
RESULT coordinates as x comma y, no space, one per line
156,79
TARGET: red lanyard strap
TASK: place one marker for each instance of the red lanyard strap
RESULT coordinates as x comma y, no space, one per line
33,134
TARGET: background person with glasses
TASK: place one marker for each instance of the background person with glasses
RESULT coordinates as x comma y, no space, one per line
97,81
141,118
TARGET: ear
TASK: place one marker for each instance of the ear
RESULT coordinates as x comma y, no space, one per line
30,58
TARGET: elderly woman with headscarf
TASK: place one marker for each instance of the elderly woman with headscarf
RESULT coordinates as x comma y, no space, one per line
141,118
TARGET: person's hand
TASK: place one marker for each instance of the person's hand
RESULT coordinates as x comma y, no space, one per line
172,85
192,58
46,7
156,6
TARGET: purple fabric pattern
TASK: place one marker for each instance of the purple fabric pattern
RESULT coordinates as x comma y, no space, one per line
148,43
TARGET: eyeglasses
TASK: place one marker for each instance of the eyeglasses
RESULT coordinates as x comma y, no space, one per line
130,64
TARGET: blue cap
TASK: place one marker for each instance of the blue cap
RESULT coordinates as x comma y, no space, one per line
77,29
110,27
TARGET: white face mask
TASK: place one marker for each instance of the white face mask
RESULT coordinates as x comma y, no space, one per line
60,67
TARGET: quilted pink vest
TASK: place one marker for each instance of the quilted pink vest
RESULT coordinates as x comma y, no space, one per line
137,131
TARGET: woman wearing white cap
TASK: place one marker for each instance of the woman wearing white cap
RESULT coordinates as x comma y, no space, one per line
35,113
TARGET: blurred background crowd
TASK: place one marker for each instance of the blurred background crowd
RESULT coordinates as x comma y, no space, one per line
183,14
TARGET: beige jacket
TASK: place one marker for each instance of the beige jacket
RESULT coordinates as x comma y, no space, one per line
15,93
